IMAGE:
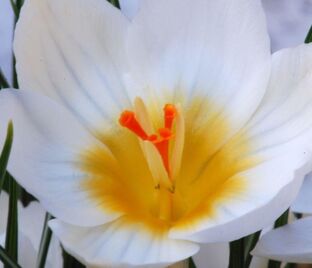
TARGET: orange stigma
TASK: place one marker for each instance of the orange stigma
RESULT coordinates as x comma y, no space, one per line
161,140
127,119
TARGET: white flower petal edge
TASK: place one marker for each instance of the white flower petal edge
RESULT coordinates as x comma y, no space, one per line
31,220
43,158
75,50
130,7
303,202
214,49
281,131
121,244
290,243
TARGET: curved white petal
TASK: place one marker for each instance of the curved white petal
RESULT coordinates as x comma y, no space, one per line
269,190
72,51
121,244
214,49
290,243
215,255
285,113
44,156
303,202
130,7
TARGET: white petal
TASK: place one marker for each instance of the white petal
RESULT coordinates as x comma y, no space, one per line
270,188
215,255
290,243
286,111
280,134
75,50
303,202
121,243
218,49
47,140
130,7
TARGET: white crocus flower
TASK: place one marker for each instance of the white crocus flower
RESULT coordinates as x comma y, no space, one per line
148,135
31,219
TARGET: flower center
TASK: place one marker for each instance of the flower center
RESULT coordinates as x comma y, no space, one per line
162,148
161,139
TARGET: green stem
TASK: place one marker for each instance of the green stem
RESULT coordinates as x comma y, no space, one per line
7,260
11,241
237,248
44,243
5,154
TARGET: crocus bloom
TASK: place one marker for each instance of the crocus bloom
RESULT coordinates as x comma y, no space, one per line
149,134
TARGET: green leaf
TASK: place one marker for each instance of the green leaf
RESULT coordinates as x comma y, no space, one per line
70,261
11,241
115,3
16,7
3,81
237,253
309,36
44,243
192,263
250,242
6,259
6,150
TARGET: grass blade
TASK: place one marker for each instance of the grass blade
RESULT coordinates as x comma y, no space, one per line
11,241
4,157
44,243
6,259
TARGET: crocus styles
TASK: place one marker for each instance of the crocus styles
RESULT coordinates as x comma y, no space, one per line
149,133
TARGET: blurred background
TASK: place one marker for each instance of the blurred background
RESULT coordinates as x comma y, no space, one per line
288,23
